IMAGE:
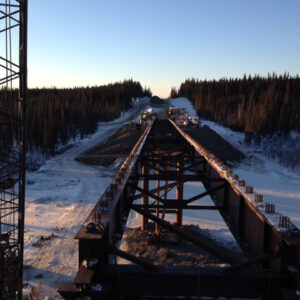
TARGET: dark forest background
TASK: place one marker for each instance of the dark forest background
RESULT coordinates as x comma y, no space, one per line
54,116
256,105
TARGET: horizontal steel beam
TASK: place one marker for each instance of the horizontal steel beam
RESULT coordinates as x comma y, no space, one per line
204,244
206,193
180,206
134,281
173,176
161,188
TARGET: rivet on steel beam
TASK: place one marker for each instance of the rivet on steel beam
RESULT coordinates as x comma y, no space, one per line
258,198
108,195
284,221
104,204
235,177
224,168
229,172
270,208
113,187
97,215
249,189
241,182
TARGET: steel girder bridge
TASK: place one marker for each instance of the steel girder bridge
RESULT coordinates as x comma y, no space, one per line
167,155
13,93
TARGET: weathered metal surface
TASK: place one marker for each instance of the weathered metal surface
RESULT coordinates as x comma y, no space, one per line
206,245
13,86
253,231
156,158
133,281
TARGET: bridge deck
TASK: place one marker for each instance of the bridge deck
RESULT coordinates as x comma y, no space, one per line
167,153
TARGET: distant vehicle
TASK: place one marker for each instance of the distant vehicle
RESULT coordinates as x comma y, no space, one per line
187,123
146,116
194,120
176,110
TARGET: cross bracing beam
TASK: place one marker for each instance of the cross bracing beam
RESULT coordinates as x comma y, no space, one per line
13,90
162,162
206,245
178,204
172,176
161,188
255,235
175,203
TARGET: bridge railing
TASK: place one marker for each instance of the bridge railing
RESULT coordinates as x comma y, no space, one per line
256,226
105,217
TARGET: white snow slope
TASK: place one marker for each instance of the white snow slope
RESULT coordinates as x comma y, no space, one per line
278,184
60,195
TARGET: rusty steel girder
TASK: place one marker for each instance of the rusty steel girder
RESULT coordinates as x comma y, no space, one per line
167,155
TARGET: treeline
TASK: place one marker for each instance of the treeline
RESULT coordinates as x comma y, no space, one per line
54,116
262,105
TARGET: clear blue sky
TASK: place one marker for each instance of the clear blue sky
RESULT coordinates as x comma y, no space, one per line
160,42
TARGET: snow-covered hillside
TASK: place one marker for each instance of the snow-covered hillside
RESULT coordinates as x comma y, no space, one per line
278,184
60,195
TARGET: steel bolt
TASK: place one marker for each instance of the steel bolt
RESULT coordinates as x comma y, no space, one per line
270,208
235,177
229,172
241,182
249,189
258,198
284,221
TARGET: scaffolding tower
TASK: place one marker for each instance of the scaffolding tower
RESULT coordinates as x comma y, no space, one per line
13,93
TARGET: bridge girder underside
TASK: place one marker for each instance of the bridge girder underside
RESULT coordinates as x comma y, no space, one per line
169,161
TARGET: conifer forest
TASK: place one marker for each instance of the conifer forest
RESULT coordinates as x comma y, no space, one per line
256,105
54,116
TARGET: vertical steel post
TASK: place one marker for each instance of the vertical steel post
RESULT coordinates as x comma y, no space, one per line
179,194
157,202
145,198
22,112
13,95
167,168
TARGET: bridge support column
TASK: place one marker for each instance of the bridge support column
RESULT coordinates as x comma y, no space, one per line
145,198
179,194
157,202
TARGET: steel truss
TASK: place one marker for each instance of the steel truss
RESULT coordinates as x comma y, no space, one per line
13,93
166,156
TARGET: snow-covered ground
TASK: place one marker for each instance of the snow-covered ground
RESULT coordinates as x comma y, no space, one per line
60,195
184,103
279,185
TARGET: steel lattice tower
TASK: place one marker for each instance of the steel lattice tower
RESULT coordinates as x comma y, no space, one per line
13,93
